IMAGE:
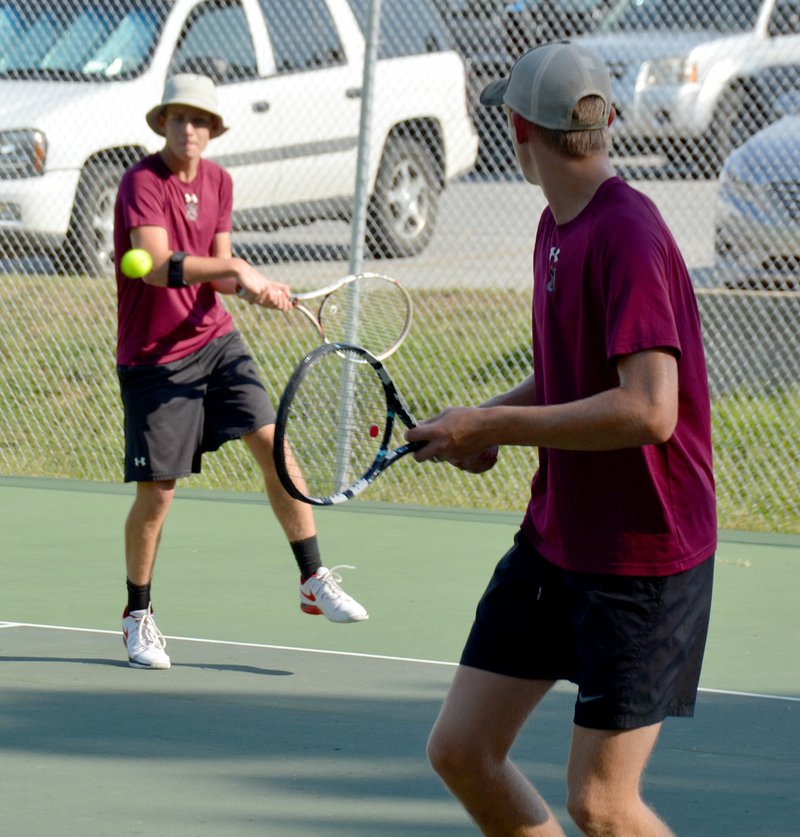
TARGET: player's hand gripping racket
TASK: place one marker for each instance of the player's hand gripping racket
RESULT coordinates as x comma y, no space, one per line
334,425
369,309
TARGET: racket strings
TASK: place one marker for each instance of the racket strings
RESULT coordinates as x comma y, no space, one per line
374,313
335,424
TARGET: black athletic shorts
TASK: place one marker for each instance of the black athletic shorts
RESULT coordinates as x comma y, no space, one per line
633,644
175,412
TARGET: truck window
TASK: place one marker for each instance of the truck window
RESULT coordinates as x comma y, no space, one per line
408,27
216,42
785,19
303,35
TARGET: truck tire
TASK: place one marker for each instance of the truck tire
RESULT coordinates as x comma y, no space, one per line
402,211
90,241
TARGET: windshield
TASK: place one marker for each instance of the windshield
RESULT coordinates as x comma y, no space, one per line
725,16
78,38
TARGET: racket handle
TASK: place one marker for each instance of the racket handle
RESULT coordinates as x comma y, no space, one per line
242,293
410,447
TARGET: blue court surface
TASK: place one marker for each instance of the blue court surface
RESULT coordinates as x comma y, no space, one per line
274,722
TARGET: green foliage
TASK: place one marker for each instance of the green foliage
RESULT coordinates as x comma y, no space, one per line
60,413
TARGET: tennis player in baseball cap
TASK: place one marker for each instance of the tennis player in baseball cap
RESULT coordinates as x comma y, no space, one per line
608,582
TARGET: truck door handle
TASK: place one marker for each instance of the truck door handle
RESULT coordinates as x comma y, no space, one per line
353,93
260,107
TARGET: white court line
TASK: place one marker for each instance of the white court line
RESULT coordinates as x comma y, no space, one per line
345,654
237,644
749,694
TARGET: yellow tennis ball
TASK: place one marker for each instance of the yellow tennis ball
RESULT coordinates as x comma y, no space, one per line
136,263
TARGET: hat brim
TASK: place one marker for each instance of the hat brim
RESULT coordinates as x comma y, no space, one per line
493,94
154,113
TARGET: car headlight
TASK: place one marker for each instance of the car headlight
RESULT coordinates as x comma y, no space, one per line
674,69
23,153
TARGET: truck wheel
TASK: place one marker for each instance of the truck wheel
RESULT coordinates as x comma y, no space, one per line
90,241
402,211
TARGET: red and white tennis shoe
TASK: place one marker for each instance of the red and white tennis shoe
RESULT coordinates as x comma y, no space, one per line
322,595
143,640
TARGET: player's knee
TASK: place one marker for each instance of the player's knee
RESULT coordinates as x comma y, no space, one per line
438,752
592,812
458,759
262,442
447,756
155,498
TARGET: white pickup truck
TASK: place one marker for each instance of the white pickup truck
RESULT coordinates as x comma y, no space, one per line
691,78
78,76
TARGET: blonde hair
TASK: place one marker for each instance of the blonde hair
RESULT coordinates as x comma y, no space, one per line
580,144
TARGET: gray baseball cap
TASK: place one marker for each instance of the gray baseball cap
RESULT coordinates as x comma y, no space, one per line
546,83
188,89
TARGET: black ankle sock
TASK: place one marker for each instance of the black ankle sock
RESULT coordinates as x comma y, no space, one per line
138,596
306,553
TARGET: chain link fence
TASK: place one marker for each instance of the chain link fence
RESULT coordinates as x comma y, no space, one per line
706,96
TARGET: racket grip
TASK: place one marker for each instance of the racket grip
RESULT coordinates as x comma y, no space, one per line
242,292
412,446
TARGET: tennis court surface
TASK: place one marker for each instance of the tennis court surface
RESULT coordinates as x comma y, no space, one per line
273,722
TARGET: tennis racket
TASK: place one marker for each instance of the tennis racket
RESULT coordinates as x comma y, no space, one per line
369,309
335,423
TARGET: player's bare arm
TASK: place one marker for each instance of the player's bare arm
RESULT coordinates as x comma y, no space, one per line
642,410
225,272
223,249
523,394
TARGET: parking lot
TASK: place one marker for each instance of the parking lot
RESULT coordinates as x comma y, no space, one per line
484,238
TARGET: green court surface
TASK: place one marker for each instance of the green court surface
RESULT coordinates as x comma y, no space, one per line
273,722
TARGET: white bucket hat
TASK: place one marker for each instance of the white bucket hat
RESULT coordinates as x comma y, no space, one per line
188,89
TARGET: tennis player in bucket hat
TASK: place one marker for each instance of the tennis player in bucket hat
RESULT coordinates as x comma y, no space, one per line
608,581
187,380
190,90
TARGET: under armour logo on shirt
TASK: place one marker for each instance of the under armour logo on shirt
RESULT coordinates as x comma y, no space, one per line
552,260
139,461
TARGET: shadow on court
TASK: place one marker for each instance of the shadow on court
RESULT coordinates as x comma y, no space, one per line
278,724
269,741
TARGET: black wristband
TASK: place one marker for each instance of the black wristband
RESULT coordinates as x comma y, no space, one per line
175,275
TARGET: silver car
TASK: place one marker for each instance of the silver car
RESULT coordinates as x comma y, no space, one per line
757,225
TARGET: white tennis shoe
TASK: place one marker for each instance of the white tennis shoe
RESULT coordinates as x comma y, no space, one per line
322,595
143,640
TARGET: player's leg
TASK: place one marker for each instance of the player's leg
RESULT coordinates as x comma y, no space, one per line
320,588
469,749
145,522
519,644
143,528
640,642
236,406
604,781
163,430
296,518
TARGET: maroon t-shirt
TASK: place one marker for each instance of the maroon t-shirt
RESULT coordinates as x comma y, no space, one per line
612,282
159,325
